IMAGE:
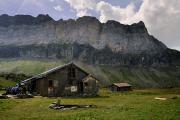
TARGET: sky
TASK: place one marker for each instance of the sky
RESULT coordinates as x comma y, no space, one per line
161,17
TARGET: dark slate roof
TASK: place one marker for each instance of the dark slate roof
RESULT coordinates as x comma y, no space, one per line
32,78
56,68
122,84
41,75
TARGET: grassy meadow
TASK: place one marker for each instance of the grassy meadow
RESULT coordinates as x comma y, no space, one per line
135,105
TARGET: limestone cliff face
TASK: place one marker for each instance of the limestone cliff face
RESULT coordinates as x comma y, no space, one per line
84,39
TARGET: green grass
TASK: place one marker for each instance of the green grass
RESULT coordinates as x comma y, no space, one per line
6,83
2,91
140,76
135,105
29,67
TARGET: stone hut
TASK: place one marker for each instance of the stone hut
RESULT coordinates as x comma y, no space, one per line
66,80
121,87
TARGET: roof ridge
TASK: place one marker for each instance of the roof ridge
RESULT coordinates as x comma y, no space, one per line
52,70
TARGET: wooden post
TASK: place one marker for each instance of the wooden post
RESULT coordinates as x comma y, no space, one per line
59,101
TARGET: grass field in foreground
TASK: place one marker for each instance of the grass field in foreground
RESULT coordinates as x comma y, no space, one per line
135,105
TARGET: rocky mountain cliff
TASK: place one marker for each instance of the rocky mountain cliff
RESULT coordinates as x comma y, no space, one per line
85,39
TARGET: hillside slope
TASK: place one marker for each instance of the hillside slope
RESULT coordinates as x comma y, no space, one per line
6,83
144,77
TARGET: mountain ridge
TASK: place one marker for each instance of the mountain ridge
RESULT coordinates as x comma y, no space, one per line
85,39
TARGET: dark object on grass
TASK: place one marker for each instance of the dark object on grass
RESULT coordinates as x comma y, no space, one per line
57,106
22,96
174,97
3,97
13,90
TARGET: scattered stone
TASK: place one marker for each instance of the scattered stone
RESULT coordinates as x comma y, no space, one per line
178,96
3,97
56,106
160,98
12,96
174,97
22,96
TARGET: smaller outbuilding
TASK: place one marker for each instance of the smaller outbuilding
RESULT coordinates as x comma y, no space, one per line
121,87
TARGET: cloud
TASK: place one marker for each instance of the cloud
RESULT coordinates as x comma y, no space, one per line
82,6
58,8
110,12
83,13
161,17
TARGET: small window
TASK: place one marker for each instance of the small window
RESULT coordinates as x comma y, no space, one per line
85,84
73,72
50,83
56,83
